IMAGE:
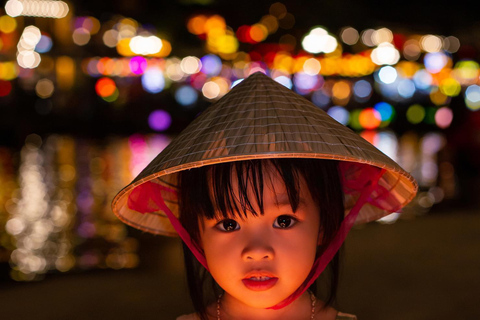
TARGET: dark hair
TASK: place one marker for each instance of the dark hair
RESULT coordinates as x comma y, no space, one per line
205,188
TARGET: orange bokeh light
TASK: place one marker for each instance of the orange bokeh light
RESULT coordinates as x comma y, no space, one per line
105,87
369,118
196,25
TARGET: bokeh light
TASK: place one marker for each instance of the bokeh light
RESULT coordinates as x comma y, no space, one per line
340,114
387,74
285,81
320,98
385,110
362,90
349,35
5,88
153,80
105,87
81,36
145,45
159,120
7,24
385,54
138,65
406,88
186,95
472,97
431,43
435,61
191,65
44,45
369,118
415,113
450,87
211,64
318,40
311,66
44,88
443,117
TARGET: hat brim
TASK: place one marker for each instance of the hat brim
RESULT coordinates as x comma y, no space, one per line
261,119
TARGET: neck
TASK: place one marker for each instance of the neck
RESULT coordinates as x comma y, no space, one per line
233,309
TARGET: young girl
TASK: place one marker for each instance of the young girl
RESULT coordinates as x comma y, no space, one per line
263,188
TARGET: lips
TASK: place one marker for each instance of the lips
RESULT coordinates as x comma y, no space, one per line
259,281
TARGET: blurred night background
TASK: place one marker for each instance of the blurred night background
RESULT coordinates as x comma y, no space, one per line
91,91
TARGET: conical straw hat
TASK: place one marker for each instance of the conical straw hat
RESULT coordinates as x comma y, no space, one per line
260,118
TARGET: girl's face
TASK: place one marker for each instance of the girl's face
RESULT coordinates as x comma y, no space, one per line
259,261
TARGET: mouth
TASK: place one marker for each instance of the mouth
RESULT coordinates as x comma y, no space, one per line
259,281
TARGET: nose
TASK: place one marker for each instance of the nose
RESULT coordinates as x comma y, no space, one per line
258,248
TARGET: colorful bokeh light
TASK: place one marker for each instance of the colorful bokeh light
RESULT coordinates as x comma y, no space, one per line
369,118
444,117
186,95
159,120
415,113
153,80
138,65
105,87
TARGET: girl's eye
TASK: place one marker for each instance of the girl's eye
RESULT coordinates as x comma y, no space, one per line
228,225
284,222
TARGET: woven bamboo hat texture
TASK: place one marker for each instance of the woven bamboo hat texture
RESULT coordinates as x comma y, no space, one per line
258,119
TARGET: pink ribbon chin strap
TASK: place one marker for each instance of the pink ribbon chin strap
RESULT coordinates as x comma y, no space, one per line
321,262
153,191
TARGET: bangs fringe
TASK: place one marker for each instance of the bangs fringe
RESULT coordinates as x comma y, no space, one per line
237,187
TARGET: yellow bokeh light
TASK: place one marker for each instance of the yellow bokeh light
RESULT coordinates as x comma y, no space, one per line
7,24
123,48
129,22
8,70
407,69
330,66
283,61
467,72
166,49
65,71
227,44
415,113
341,90
450,87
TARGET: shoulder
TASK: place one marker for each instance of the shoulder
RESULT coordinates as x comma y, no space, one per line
345,316
192,316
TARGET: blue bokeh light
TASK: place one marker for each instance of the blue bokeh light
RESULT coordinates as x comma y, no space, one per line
340,114
186,95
